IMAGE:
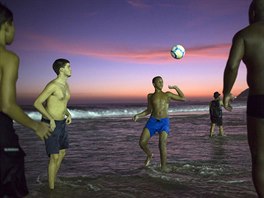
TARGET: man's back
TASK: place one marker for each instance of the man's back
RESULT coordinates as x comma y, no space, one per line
8,71
215,109
253,37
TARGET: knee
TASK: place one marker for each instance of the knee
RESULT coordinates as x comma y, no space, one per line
62,153
162,142
142,143
54,158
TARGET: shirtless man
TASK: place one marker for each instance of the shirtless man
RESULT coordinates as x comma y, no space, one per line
158,104
52,104
248,45
12,176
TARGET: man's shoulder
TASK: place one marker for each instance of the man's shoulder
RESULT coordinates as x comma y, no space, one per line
8,54
150,94
52,84
8,59
249,30
168,92
5,52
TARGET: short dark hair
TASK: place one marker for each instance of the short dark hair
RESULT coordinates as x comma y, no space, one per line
155,78
5,15
59,63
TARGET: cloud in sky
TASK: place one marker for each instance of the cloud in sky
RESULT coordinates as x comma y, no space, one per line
141,4
120,54
125,43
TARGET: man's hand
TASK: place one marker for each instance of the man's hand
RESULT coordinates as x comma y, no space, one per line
68,120
52,125
135,118
43,131
228,99
173,87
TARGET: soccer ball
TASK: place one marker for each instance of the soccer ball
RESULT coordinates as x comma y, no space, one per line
177,51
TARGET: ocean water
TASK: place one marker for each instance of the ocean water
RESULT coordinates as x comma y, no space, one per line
104,159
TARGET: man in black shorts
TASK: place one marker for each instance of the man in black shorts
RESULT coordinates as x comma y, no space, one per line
12,176
52,104
248,45
215,109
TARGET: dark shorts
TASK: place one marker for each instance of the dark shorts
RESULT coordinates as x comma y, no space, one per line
12,170
217,120
255,106
58,139
158,125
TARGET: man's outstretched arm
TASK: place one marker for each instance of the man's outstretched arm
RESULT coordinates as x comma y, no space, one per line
145,112
235,56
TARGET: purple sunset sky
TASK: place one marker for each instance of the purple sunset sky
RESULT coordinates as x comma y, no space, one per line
116,47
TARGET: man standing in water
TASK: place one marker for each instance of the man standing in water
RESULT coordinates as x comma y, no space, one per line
215,108
248,45
52,104
12,175
158,104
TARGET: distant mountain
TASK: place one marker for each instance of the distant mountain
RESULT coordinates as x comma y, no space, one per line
243,95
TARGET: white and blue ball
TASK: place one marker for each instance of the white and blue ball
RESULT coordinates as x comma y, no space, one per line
177,51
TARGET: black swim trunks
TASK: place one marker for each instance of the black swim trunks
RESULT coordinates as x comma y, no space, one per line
217,120
216,113
58,139
255,106
12,171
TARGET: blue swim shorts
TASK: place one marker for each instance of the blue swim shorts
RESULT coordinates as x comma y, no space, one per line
58,139
158,125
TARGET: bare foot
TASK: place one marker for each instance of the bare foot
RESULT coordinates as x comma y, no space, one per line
148,159
165,169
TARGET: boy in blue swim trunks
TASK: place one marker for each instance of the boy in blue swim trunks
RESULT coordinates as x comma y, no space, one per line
158,104
52,104
248,46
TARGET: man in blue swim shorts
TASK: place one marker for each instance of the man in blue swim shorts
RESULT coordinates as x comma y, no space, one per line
158,104
248,46
52,104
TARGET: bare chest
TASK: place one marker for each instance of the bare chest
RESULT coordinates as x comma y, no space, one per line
159,100
62,94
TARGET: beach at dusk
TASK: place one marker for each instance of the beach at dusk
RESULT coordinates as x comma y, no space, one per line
115,48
